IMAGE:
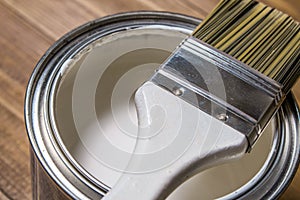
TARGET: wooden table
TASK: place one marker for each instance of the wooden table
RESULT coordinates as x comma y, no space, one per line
27,29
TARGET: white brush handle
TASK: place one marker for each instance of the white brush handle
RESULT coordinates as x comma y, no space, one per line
176,141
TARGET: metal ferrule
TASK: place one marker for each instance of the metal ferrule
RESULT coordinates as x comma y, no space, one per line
221,86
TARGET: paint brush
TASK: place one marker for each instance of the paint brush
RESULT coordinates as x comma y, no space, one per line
216,93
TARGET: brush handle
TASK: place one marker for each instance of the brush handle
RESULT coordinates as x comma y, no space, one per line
262,38
161,162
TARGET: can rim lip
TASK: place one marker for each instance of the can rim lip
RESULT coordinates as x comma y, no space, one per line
38,71
111,19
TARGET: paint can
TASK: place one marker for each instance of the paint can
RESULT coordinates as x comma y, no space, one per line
99,65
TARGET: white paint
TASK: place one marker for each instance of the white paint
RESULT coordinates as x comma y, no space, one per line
201,142
213,183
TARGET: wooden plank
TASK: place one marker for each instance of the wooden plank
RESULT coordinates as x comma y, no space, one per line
3,196
51,18
21,46
197,8
55,18
103,8
14,157
296,91
290,7
12,95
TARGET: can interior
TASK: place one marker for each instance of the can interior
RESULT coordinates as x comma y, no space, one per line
94,106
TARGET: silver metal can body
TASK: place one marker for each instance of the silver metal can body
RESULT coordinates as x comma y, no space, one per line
58,174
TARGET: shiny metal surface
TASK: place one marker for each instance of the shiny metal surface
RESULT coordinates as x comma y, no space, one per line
218,84
46,148
50,163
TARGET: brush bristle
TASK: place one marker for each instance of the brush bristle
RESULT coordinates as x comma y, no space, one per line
260,36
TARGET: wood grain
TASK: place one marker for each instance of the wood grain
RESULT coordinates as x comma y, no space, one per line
28,28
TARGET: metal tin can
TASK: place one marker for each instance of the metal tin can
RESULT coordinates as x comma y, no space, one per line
122,51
